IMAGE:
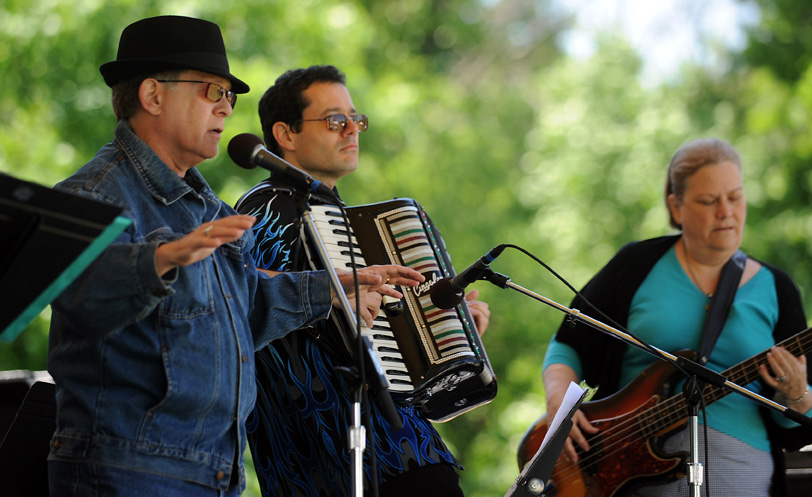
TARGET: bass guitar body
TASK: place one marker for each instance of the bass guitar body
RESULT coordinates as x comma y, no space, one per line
625,453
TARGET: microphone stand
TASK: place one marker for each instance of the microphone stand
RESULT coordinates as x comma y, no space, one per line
357,431
693,387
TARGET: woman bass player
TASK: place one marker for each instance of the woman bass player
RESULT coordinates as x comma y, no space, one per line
660,289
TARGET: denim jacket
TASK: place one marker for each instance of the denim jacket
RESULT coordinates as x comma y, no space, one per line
155,373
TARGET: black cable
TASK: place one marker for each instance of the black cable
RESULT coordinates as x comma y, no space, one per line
614,324
361,394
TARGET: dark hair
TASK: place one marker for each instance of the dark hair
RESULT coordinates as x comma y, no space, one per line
690,158
284,101
126,101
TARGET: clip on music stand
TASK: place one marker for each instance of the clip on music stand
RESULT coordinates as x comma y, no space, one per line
50,237
532,481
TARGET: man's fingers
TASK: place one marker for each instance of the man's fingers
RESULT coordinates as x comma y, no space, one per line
368,279
226,229
367,317
395,275
389,291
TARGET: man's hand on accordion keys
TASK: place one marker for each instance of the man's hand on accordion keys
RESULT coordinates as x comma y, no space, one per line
373,283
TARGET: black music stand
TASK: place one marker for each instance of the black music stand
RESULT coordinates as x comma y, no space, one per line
532,481
50,237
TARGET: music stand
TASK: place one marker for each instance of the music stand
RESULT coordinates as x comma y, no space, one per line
532,481
50,238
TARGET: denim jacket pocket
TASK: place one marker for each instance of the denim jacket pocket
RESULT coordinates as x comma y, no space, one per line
193,356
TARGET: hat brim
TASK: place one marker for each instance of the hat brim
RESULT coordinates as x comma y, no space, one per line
115,71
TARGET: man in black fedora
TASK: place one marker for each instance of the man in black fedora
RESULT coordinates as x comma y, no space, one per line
152,347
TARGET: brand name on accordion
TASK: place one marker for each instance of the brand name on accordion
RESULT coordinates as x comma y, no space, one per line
425,287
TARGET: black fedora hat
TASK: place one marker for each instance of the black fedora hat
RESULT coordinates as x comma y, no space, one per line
170,42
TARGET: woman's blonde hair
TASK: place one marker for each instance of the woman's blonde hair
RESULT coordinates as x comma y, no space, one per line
690,158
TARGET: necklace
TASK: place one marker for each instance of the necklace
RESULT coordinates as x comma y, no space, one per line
691,271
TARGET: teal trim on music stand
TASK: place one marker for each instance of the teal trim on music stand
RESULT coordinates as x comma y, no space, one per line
70,273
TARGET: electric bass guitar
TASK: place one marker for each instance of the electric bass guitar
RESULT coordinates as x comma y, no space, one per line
626,453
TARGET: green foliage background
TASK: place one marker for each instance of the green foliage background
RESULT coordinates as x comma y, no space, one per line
477,114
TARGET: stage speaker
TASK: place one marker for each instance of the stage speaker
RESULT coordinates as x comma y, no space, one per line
24,450
13,387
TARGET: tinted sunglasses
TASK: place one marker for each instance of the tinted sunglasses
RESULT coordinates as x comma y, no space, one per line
214,92
338,122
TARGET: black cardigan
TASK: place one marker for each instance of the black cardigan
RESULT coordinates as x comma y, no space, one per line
611,290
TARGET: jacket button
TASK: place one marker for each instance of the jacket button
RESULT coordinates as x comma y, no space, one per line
244,358
220,475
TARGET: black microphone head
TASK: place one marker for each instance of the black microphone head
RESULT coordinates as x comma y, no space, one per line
241,148
443,296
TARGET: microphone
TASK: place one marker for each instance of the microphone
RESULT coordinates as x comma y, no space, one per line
447,293
248,152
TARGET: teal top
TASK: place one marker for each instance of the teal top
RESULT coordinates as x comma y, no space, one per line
668,311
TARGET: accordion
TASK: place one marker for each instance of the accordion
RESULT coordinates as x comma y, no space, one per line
432,358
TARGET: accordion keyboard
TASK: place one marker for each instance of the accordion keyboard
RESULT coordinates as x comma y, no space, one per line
343,251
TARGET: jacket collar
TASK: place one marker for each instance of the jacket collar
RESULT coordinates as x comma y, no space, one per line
161,181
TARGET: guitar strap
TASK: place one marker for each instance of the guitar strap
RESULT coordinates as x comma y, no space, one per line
720,303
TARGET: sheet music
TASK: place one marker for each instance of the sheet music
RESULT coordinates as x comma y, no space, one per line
572,399
532,479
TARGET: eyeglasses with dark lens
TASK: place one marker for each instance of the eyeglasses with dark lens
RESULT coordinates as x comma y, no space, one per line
338,122
214,92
